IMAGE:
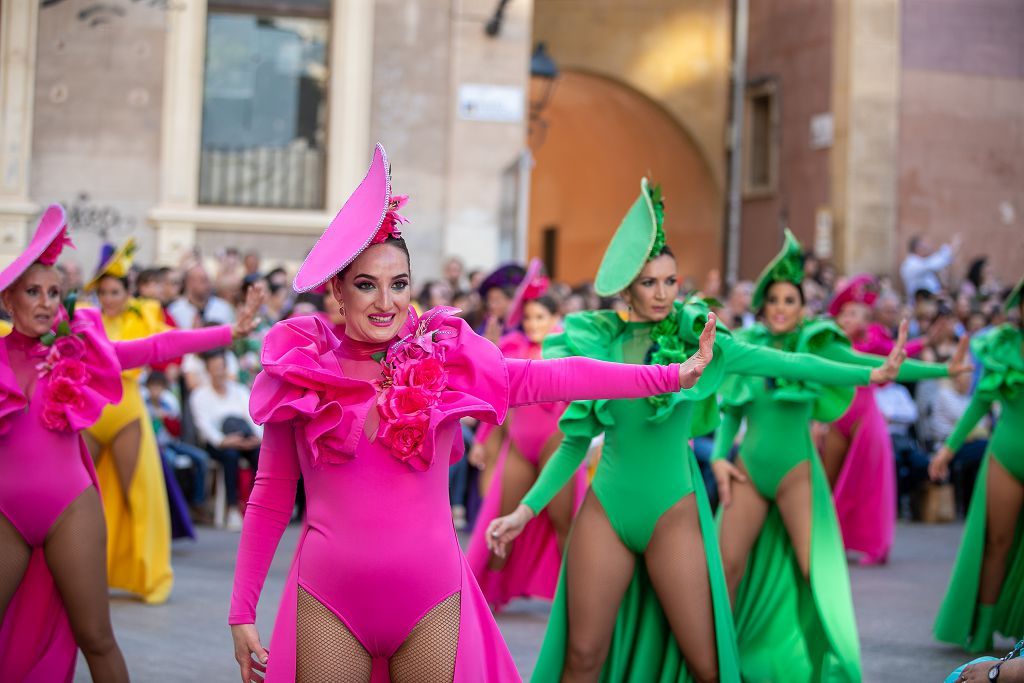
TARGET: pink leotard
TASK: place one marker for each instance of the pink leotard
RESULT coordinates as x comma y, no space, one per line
42,471
378,547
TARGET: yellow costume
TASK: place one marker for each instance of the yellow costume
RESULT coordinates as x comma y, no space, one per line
5,328
139,520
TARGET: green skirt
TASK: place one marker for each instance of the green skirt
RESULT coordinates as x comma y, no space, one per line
643,648
957,621
789,629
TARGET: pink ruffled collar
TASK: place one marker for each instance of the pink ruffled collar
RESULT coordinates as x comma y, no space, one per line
303,380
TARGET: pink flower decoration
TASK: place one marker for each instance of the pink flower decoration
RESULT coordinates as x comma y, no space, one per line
54,418
405,437
71,347
427,374
70,369
402,401
52,252
392,219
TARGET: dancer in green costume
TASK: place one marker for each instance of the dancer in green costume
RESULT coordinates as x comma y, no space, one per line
986,591
642,594
780,540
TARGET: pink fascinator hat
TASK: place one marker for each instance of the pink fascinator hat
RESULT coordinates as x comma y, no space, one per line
859,289
50,239
369,216
534,285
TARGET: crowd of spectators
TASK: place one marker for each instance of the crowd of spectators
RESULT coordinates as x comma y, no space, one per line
199,408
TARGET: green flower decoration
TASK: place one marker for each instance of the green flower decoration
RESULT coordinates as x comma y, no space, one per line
658,202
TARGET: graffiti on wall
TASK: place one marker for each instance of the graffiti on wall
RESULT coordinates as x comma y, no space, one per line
104,220
96,14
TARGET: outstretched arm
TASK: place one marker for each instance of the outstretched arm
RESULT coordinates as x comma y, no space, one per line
748,359
167,345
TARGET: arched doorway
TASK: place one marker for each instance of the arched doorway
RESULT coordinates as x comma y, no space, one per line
601,136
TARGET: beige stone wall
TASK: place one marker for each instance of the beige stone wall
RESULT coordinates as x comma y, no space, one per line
98,99
452,168
676,53
961,165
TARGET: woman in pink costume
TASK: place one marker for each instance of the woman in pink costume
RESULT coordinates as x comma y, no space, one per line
532,436
379,589
57,372
858,455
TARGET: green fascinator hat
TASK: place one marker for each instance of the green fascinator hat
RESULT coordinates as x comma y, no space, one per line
639,238
1013,300
787,266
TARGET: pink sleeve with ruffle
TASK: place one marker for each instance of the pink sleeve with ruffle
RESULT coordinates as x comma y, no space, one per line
167,345
878,342
266,516
585,379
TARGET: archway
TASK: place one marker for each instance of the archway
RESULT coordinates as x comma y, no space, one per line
601,137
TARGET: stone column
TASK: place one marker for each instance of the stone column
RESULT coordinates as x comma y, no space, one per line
18,32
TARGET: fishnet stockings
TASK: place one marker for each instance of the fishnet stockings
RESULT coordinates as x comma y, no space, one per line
326,651
14,557
428,654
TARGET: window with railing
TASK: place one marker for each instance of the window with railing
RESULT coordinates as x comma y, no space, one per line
264,128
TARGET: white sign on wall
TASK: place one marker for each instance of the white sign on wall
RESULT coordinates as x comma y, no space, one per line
822,130
500,103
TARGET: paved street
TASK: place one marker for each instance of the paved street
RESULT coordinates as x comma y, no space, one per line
187,639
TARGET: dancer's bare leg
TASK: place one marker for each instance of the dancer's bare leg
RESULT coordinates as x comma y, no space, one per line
598,571
560,509
679,572
125,449
794,501
834,453
76,554
516,479
1003,507
741,524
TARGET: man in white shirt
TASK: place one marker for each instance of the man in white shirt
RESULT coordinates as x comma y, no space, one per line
199,306
220,410
921,267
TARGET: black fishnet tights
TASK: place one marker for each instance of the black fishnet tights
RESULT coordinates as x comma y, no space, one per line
326,651
76,553
428,654
14,557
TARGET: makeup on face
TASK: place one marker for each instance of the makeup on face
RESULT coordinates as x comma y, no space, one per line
376,291
652,295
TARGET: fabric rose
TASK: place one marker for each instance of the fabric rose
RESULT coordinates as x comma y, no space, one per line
52,252
54,418
63,391
70,369
71,347
427,374
402,401
405,436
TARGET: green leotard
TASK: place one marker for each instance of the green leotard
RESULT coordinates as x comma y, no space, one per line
961,620
647,466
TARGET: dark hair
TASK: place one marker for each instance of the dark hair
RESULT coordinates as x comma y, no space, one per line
974,271
546,301
149,275
122,280
219,352
424,296
665,251
923,295
157,377
913,243
397,242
